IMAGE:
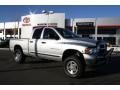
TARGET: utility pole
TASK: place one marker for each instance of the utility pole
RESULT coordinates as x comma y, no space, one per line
73,26
4,32
18,30
14,30
48,14
96,29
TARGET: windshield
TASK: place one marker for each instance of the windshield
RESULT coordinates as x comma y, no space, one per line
65,33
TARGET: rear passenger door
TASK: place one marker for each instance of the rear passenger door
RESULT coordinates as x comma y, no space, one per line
33,42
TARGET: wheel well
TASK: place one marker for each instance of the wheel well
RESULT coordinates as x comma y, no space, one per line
17,46
71,52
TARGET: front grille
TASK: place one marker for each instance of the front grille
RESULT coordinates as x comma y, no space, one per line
102,48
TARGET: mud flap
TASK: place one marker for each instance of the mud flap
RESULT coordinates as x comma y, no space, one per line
108,55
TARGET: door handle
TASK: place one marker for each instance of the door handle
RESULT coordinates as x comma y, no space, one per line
43,42
31,41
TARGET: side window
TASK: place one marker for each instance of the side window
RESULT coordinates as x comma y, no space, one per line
37,33
50,34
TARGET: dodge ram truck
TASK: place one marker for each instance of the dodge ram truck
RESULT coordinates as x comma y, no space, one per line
60,44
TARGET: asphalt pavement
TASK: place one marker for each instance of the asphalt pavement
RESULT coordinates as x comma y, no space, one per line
41,72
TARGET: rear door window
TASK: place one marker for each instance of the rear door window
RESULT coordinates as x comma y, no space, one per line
37,33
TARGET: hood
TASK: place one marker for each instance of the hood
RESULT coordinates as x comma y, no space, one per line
82,41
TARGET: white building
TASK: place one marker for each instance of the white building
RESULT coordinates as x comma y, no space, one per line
107,29
10,29
24,28
39,20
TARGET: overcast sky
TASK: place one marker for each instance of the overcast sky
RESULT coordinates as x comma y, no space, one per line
12,13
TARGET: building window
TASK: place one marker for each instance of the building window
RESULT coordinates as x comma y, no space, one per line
106,30
1,31
85,30
110,40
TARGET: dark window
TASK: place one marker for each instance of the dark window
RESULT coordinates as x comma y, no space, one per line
66,33
85,30
85,36
50,34
110,40
106,30
37,33
99,38
1,31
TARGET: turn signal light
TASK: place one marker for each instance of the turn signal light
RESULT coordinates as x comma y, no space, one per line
87,50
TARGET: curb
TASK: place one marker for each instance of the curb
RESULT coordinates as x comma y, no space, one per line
7,49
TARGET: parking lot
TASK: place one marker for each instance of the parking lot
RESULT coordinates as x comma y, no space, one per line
42,72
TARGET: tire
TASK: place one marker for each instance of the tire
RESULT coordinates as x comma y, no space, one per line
19,57
74,67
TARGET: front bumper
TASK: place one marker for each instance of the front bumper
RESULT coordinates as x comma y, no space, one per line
96,60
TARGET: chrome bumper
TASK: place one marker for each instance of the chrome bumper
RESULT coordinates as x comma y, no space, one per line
96,60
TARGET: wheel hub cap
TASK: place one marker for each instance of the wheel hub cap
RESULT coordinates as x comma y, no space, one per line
72,67
17,56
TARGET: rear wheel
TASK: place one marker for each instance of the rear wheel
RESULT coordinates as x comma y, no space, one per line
73,66
19,57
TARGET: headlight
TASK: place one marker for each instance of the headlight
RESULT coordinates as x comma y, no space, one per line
90,50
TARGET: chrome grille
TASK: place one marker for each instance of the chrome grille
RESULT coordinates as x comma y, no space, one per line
102,48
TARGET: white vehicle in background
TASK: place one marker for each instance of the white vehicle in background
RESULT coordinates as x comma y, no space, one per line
61,45
116,51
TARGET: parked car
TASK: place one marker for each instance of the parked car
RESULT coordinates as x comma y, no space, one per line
7,41
4,43
1,42
61,45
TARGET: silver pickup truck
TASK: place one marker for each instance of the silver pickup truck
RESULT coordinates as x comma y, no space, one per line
61,45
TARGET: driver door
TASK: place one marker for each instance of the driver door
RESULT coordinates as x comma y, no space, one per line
49,46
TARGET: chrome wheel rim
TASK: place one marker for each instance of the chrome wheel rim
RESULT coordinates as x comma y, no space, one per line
72,67
17,56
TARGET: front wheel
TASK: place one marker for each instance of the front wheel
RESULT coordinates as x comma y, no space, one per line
19,57
73,66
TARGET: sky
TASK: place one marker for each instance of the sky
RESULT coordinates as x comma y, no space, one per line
13,13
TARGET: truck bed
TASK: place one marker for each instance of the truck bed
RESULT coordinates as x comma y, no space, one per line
24,43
